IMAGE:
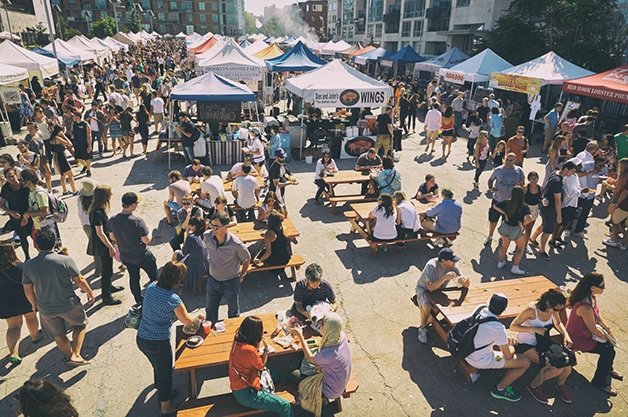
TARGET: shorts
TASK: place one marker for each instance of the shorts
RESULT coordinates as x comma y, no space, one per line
383,141
447,133
82,154
158,118
511,232
534,212
429,225
619,216
422,299
496,362
549,219
173,206
493,215
568,214
54,325
431,134
522,348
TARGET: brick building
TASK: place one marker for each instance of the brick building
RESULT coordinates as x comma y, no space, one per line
314,13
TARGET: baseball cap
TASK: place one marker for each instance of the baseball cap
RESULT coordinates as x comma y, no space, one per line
280,153
498,303
130,198
447,254
256,131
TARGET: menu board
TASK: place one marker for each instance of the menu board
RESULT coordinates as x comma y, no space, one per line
226,112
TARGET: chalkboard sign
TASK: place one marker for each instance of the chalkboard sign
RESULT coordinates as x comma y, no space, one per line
226,112
481,93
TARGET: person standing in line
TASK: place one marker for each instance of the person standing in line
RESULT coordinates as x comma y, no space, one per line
177,189
82,135
551,123
448,122
229,261
48,284
496,124
142,117
433,123
518,145
618,208
502,181
99,244
621,143
483,111
458,106
14,202
131,235
384,131
482,154
189,135
128,135
280,176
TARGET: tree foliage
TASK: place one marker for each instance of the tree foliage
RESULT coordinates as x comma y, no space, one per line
104,27
71,32
588,33
249,23
41,37
134,21
273,27
62,27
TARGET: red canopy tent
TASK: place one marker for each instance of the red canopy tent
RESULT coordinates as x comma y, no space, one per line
204,46
610,85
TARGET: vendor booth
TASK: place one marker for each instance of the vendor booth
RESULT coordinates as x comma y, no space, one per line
64,61
10,95
114,42
81,55
372,56
231,62
36,64
331,48
447,60
338,85
114,49
272,51
99,51
361,51
122,38
299,58
407,55
255,47
218,100
476,69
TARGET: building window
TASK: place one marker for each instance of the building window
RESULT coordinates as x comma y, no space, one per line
173,18
418,28
104,14
378,30
376,10
189,17
161,17
174,5
162,28
317,7
189,29
414,8
406,29
215,18
463,3
71,2
100,4
160,5
214,7
201,6
203,18
187,7
55,2
347,10
350,32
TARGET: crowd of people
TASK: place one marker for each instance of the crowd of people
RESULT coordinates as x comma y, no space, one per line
208,257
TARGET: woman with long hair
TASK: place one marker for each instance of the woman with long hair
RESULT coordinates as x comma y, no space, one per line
516,215
99,244
143,120
128,135
386,218
160,306
43,126
85,198
245,364
556,155
271,205
498,154
59,142
448,129
619,206
276,244
585,322
482,154
334,361
324,166
532,197
115,128
194,255
538,319
14,306
410,222
40,398
473,127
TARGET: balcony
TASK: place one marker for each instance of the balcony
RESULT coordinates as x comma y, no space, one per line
438,12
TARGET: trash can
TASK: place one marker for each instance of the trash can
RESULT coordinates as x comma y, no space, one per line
397,139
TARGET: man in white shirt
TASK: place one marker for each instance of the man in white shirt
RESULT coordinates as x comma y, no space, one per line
244,190
433,123
458,106
587,154
129,72
114,95
157,109
211,187
489,334
492,102
256,150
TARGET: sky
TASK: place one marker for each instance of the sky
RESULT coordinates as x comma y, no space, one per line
257,6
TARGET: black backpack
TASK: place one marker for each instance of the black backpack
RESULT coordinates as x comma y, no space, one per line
460,339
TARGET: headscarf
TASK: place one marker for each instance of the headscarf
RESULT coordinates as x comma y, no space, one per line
311,388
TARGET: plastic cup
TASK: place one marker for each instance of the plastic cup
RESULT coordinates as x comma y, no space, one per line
207,326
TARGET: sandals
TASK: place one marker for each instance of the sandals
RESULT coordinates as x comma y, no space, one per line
76,363
616,375
609,390
16,360
35,342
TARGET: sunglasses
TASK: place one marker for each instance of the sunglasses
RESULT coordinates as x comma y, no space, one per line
187,203
520,131
214,227
602,286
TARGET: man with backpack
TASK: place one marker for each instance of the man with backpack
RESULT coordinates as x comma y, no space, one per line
489,331
435,275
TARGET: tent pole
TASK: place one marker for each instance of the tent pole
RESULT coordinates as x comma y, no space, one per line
168,134
561,96
302,117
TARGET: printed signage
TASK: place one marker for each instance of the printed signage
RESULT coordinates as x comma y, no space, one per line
454,77
225,112
236,72
352,98
357,146
386,63
525,85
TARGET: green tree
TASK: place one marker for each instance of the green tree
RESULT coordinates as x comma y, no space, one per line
62,27
588,33
134,21
41,37
71,32
273,27
249,23
104,27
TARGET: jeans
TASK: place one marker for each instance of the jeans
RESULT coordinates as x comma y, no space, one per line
143,133
262,400
100,88
585,204
23,232
602,377
492,141
230,289
149,265
159,353
478,170
322,187
188,153
97,138
471,146
106,263
457,122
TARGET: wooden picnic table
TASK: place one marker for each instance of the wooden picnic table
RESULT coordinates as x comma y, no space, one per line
228,184
250,232
520,292
215,350
346,177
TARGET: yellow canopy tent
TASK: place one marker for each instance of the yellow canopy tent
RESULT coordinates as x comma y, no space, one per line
271,52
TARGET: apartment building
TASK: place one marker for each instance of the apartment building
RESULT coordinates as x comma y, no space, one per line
314,14
431,27
217,16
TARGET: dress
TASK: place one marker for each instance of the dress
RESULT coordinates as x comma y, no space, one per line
195,258
389,181
13,301
280,252
26,108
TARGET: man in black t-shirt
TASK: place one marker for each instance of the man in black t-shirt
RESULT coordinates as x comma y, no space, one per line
279,175
188,137
551,206
384,131
14,201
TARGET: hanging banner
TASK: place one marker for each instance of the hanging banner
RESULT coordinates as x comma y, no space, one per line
386,63
509,82
236,72
351,98
454,77
10,95
226,112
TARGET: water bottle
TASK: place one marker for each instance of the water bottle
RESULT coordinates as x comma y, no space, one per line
281,318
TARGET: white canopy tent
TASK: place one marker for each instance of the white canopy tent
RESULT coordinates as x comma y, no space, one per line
550,68
476,69
180,35
34,63
72,51
112,49
233,63
10,74
116,43
6,35
99,51
125,39
211,52
331,48
255,47
134,36
156,35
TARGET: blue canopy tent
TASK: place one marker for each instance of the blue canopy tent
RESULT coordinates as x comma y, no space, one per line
372,56
447,60
299,58
244,44
407,55
64,60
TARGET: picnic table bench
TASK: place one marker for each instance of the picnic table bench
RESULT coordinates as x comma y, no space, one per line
520,292
347,177
228,184
360,222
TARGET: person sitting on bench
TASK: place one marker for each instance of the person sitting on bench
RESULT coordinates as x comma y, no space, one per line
386,218
310,290
276,244
236,169
435,275
365,162
245,191
220,204
493,333
443,218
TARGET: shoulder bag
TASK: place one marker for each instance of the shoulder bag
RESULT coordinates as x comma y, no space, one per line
265,380
375,189
553,354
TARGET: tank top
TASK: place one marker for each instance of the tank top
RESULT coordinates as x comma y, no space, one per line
448,123
385,227
280,254
532,199
43,128
483,152
578,330
529,338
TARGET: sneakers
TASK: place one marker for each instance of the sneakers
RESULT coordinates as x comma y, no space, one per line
538,394
581,235
439,242
508,394
88,173
517,271
610,242
501,264
488,241
555,245
529,250
423,335
567,233
564,393
83,171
